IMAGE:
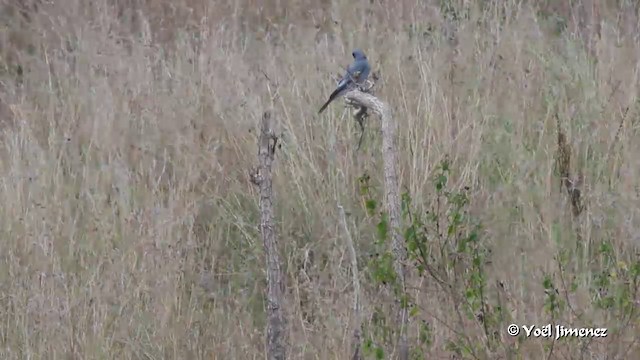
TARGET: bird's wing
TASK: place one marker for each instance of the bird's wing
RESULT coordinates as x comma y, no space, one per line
355,69
366,70
359,70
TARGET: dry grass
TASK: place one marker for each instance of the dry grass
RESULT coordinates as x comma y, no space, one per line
129,225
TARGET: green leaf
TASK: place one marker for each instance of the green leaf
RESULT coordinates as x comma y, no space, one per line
371,205
379,353
383,228
406,204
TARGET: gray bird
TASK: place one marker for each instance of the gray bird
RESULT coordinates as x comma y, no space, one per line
356,74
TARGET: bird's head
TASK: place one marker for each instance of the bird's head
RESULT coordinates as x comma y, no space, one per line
358,54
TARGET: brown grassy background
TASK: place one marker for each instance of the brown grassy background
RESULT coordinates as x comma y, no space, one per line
129,225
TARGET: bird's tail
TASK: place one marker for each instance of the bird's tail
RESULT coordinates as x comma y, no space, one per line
332,97
325,105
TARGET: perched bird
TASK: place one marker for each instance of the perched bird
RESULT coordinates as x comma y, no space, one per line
356,74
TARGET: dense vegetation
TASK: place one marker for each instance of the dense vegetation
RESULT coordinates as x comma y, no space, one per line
129,226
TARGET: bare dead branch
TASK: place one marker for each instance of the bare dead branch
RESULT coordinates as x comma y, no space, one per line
276,324
392,203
